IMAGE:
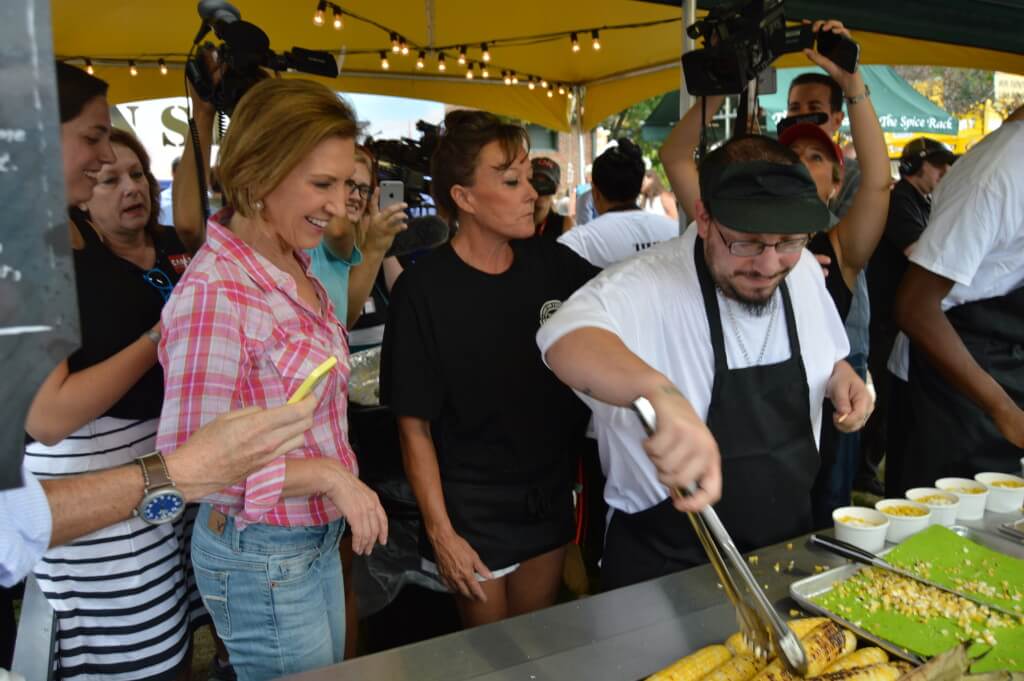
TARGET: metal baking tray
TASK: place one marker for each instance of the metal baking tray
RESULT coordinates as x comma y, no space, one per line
1014,530
804,590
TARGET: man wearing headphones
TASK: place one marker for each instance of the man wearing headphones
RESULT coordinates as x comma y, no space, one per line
922,165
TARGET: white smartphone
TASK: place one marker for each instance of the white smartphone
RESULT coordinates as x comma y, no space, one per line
391,192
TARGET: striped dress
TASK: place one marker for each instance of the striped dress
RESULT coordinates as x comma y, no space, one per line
124,596
120,594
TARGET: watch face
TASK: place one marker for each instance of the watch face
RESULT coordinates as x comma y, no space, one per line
162,507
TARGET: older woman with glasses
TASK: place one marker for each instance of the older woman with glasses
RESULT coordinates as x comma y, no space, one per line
121,593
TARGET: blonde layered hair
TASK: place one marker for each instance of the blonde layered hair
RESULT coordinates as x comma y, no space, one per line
275,126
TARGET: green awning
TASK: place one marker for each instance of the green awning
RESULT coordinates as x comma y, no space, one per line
900,108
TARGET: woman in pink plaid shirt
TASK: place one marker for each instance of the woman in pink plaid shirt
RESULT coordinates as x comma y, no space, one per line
246,324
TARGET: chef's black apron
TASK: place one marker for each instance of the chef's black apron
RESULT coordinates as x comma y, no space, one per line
759,417
950,435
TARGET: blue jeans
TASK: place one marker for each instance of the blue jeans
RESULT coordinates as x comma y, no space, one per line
275,594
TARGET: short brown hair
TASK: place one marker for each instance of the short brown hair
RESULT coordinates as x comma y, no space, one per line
366,157
127,139
455,159
275,125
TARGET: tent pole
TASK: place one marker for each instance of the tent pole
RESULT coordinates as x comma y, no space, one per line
689,9
578,93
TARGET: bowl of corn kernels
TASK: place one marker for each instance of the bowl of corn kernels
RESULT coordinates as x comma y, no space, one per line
943,505
972,494
862,527
1005,491
905,518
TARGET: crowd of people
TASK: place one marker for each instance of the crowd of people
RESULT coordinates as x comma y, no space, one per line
171,483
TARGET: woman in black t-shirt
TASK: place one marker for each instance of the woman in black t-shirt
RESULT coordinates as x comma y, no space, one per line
99,409
486,430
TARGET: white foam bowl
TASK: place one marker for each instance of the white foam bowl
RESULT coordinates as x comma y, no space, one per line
903,526
972,506
853,524
1002,499
942,513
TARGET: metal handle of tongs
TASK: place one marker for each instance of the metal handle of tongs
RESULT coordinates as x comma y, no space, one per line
716,541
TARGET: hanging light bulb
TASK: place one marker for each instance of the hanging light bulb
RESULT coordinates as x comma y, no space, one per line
462,55
551,93
338,24
486,56
515,78
561,89
88,67
575,42
420,59
484,73
132,69
507,77
469,71
441,66
318,18
403,47
163,66
597,40
395,47
530,84
384,60
543,83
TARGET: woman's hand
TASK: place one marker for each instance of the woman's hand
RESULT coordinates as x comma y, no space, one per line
361,508
851,83
458,564
378,228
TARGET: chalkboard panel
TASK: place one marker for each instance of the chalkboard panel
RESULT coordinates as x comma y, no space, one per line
38,305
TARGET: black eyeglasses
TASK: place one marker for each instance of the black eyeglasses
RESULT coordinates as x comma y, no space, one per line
362,189
159,280
751,249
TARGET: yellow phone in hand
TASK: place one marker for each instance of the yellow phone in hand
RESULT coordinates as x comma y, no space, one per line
313,380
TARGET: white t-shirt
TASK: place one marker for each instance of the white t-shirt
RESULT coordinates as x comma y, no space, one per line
975,235
653,303
618,235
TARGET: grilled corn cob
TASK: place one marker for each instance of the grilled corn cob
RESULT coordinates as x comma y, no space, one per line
693,667
739,668
825,644
859,658
801,627
874,672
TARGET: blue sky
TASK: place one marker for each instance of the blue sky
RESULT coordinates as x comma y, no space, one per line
393,117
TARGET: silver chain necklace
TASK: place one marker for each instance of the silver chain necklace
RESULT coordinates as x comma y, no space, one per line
739,335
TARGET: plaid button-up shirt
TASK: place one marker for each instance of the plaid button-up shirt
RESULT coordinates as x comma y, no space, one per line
237,334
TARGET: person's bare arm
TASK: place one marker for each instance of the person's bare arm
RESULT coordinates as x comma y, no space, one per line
457,562
597,363
189,221
67,401
860,230
919,314
224,451
379,232
677,152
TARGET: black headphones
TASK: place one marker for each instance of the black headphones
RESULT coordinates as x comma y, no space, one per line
909,165
915,153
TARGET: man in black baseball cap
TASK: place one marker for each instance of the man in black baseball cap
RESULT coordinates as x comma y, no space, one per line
547,175
730,335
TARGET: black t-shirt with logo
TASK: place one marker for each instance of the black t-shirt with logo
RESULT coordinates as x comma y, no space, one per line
460,352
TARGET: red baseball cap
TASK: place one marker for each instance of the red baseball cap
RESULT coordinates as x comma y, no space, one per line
802,130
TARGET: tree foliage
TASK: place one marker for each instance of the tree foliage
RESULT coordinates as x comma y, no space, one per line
628,122
958,91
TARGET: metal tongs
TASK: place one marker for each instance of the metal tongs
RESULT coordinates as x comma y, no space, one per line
759,623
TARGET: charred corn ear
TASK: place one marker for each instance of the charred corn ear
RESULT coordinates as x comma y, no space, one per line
859,658
825,644
695,666
738,645
776,671
739,668
805,625
874,672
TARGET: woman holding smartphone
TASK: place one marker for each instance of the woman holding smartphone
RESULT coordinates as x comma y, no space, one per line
487,432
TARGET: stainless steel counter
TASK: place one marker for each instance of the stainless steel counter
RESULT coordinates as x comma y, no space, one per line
621,635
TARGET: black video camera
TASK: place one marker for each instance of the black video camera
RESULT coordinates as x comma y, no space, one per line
242,57
408,161
740,41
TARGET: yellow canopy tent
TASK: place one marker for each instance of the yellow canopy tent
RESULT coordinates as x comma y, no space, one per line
633,63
